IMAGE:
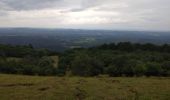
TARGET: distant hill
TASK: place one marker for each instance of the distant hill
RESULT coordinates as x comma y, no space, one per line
62,39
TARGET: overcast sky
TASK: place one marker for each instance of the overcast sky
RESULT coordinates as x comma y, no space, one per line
86,14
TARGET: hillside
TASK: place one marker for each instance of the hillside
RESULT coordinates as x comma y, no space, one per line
14,87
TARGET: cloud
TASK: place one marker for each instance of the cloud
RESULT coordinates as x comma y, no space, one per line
27,4
2,13
107,14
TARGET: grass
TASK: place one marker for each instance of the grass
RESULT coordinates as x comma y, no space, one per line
55,60
16,87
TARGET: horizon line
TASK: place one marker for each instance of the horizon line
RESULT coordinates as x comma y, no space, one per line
88,29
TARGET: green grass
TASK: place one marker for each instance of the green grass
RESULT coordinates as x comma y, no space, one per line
16,87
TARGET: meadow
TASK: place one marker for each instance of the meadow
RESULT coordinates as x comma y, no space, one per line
20,87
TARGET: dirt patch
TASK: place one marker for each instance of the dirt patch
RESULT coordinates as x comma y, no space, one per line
44,89
19,84
115,81
109,80
135,92
112,81
119,88
80,94
81,81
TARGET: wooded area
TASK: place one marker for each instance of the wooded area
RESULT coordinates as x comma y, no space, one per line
122,59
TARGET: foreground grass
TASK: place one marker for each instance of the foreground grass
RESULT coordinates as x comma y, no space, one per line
15,87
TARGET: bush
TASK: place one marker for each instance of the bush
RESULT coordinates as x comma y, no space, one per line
153,69
112,70
166,68
84,65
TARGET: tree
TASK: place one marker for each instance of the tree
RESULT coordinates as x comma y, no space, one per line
112,70
153,69
125,46
166,68
139,68
30,46
85,65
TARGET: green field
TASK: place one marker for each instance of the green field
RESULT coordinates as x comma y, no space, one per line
15,87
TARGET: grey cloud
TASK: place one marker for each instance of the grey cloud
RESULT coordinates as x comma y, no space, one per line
136,12
87,4
2,13
77,9
74,5
28,4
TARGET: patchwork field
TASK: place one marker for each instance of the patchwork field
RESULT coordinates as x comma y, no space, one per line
16,87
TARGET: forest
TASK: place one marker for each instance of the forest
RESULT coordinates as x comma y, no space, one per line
115,59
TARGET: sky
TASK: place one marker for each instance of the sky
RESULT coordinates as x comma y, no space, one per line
87,14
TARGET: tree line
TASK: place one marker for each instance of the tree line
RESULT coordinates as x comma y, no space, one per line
121,59
26,60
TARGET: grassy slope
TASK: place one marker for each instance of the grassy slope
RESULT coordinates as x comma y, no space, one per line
15,87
